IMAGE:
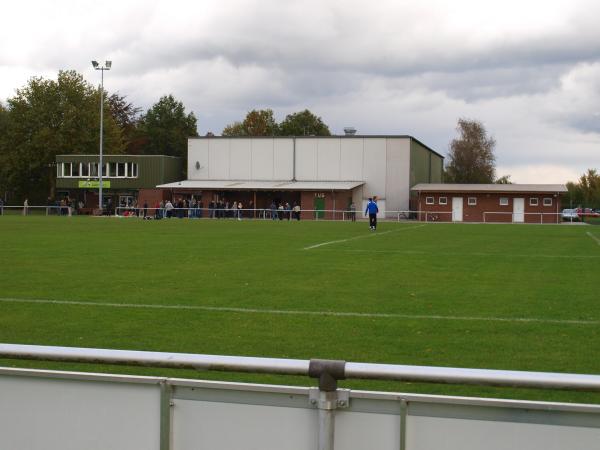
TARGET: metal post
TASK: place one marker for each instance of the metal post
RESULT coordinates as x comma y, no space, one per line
327,397
107,65
166,404
100,203
403,413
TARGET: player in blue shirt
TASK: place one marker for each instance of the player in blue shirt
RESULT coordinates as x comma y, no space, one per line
372,210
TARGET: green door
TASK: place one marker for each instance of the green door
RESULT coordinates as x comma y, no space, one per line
319,208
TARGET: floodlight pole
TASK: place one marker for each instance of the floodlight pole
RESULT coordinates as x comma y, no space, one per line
107,65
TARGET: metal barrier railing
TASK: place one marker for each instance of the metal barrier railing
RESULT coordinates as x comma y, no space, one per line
521,217
328,397
287,214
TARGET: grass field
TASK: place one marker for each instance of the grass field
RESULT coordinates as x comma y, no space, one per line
483,296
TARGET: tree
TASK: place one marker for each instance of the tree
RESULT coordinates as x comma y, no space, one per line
303,123
256,123
3,150
471,157
505,179
589,186
50,117
166,128
127,117
234,129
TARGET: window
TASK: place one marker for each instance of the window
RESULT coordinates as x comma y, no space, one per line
443,201
548,201
112,169
104,166
67,169
85,170
503,201
533,201
131,170
429,201
472,201
121,169
75,170
93,169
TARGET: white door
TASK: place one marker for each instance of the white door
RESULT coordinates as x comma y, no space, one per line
457,209
518,210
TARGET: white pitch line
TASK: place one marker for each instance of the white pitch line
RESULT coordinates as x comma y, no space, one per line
593,237
362,236
493,255
303,313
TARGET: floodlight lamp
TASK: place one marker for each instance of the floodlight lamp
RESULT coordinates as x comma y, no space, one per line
95,64
108,64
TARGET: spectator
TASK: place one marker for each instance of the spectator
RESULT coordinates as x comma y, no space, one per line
296,211
145,209
352,212
273,211
280,211
26,207
200,209
169,208
288,211
239,210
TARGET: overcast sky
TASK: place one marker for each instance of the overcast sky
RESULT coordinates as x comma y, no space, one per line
529,70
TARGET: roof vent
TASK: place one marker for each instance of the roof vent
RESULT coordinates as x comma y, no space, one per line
349,131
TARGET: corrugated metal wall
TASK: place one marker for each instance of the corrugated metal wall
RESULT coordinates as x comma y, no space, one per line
152,170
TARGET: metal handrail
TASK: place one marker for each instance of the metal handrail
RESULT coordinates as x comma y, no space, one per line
427,374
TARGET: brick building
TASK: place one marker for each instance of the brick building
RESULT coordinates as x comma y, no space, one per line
518,203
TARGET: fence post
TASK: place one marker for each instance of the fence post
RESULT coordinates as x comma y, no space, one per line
327,397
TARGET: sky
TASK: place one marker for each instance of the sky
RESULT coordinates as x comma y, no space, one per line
528,70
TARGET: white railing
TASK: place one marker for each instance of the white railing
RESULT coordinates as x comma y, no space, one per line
277,214
522,217
70,410
36,210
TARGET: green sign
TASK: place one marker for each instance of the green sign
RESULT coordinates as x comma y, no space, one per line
95,184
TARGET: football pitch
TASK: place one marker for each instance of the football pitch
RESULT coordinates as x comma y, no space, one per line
515,297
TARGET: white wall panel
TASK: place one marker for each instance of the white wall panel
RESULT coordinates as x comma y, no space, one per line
426,433
197,152
328,159
351,164
226,426
218,159
360,430
283,159
397,174
262,159
240,159
42,414
374,170
306,159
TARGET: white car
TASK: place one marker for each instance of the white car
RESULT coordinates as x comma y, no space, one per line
570,215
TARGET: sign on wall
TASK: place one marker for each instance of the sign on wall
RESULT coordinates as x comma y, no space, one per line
94,184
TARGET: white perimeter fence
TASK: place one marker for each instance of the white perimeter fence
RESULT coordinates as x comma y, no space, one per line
49,410
304,214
